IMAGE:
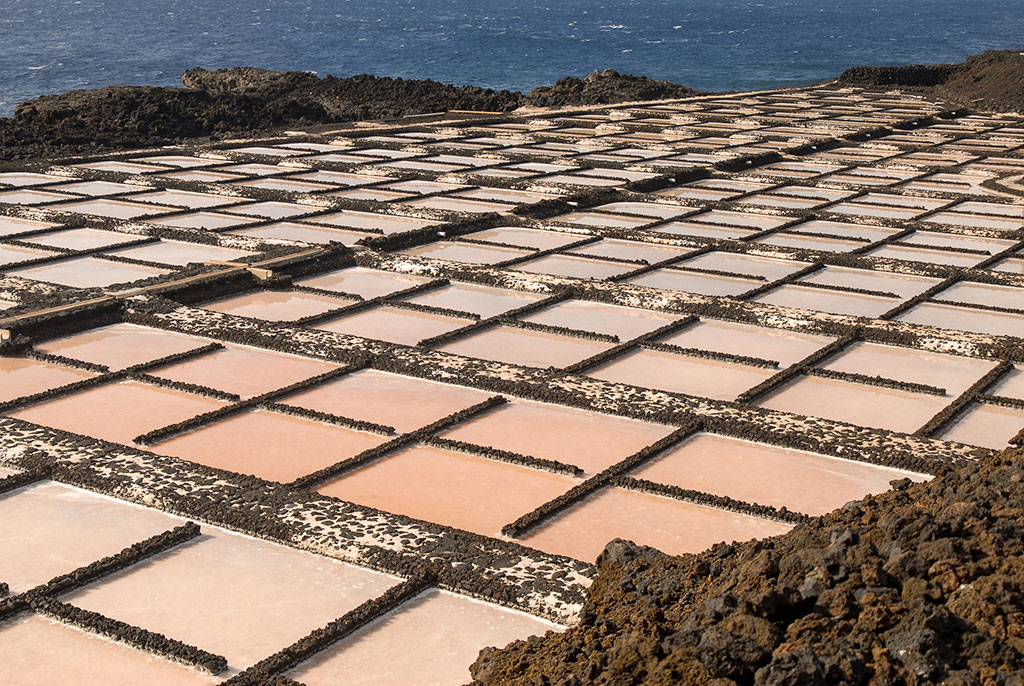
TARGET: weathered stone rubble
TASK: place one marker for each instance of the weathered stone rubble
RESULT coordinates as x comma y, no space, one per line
920,585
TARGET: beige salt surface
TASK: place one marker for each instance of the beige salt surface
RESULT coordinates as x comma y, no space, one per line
202,220
385,223
364,282
11,254
951,372
115,209
305,233
902,285
836,302
869,233
682,374
636,251
745,265
526,237
403,402
585,439
245,371
965,319
88,272
179,253
466,252
989,426
615,320
673,526
282,306
406,327
10,226
870,406
576,267
81,239
1011,385
49,529
36,650
272,446
984,294
695,282
784,347
120,345
769,475
526,347
485,301
446,487
913,254
20,376
118,412
440,635
232,595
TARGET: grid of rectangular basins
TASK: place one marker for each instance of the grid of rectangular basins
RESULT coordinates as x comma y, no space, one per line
678,324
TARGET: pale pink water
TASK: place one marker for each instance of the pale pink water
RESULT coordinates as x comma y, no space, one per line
88,272
285,306
785,347
989,426
670,525
625,322
872,406
404,402
50,529
20,376
525,347
588,440
464,491
682,374
235,596
272,446
440,635
951,372
35,650
118,412
407,327
769,475
245,371
576,267
486,301
121,345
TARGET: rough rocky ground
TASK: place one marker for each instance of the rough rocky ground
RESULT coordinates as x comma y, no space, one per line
244,100
921,585
991,81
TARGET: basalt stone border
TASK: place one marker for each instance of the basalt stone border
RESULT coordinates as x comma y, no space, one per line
400,442
499,571
903,334
134,636
133,554
136,372
709,500
504,456
778,428
326,636
602,479
239,406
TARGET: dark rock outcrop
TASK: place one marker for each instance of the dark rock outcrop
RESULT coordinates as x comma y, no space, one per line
920,585
604,87
991,81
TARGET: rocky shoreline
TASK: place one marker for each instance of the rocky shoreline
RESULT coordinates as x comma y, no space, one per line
244,101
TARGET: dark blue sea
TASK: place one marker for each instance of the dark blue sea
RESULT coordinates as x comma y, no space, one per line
50,46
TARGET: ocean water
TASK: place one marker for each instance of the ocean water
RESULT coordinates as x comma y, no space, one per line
50,46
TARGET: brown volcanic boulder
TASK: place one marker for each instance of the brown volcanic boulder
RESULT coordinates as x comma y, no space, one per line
605,87
991,81
920,585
